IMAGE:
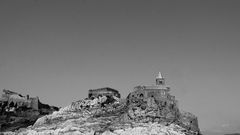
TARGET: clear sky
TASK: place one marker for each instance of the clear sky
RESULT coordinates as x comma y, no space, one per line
58,50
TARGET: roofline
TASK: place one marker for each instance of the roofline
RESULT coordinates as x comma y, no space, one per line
104,88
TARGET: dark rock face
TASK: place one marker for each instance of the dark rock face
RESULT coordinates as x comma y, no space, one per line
17,111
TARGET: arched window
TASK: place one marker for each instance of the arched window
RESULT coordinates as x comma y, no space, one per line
141,95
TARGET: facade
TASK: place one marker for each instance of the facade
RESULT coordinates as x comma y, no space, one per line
103,92
159,91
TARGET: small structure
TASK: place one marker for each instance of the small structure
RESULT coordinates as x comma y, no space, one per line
106,91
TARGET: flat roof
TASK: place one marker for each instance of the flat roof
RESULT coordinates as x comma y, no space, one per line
104,88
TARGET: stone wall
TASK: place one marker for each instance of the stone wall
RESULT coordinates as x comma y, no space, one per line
103,92
151,107
160,106
163,98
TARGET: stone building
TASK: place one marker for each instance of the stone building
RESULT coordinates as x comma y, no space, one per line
159,91
158,97
106,91
19,100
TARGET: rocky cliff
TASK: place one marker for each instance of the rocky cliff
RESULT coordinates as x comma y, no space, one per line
107,115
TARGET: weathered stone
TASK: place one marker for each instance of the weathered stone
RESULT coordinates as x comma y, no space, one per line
103,92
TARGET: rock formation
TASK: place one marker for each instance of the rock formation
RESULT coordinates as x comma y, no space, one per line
103,115
146,110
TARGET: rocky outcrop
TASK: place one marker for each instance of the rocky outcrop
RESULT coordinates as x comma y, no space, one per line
106,115
147,110
17,111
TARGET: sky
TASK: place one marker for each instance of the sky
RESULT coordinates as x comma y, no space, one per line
58,50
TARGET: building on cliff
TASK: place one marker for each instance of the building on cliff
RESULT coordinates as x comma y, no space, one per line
106,91
18,100
159,91
158,95
150,103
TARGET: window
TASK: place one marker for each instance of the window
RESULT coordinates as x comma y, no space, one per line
141,95
159,82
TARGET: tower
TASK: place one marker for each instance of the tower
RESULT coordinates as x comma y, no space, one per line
160,80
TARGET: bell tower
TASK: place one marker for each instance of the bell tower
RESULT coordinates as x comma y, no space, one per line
160,80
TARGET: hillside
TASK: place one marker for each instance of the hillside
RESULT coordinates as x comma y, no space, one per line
103,115
146,110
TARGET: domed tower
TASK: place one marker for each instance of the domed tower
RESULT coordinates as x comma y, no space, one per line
160,80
